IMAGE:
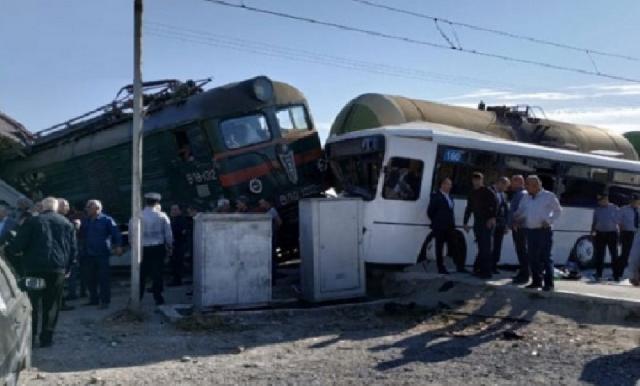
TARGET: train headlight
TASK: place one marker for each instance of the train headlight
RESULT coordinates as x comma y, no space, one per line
263,89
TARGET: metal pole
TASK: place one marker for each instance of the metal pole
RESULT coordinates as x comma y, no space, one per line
136,170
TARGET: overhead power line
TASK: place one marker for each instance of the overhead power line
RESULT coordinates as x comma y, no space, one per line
410,40
497,32
300,55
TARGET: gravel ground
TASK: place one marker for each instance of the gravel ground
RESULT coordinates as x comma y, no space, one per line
358,344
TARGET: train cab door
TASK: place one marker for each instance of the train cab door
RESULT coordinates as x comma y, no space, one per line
396,220
195,178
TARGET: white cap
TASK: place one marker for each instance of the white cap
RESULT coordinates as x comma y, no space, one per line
153,196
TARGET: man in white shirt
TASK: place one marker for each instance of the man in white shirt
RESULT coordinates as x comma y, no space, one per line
157,241
537,212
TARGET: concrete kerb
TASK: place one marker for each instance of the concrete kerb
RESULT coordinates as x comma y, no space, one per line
495,299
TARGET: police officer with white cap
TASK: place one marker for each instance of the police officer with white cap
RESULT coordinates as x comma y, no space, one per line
157,240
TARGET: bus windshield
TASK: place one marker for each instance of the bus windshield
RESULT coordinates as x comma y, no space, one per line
358,175
245,131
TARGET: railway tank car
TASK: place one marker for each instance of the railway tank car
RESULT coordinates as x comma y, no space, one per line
519,123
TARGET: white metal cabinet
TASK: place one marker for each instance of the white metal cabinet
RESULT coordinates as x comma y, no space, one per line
232,259
330,239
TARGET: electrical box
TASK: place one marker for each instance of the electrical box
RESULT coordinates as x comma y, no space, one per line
231,260
331,266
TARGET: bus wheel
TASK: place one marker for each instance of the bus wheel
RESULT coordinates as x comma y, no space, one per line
582,252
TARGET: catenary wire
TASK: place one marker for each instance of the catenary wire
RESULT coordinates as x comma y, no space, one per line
300,55
498,32
411,40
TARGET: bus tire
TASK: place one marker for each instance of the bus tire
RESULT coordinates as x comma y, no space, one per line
582,252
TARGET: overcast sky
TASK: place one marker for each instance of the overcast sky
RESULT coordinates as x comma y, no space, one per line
63,58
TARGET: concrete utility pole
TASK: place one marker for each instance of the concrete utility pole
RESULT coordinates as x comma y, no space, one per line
136,170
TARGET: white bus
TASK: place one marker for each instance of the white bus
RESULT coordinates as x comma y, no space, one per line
366,163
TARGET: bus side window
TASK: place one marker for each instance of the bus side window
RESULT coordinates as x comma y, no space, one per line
403,179
579,192
460,164
581,184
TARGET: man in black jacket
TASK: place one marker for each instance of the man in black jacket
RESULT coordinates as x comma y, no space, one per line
46,244
440,212
483,205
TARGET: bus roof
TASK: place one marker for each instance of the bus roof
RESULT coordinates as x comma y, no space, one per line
453,136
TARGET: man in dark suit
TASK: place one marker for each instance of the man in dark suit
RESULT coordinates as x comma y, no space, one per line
440,212
502,215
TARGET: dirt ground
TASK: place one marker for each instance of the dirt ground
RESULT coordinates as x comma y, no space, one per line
375,343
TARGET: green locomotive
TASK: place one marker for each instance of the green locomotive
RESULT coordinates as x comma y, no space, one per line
254,138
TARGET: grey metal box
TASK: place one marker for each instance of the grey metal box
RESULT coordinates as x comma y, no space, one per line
331,265
232,259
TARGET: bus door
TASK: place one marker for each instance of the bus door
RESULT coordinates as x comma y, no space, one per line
195,179
396,219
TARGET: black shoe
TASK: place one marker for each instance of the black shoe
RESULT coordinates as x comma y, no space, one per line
547,288
443,271
484,276
46,343
174,284
495,271
462,270
91,304
534,286
160,301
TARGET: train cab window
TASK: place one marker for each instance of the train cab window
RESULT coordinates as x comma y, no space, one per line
245,131
292,119
403,178
192,144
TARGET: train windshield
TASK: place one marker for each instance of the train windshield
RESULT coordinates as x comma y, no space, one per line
292,119
245,131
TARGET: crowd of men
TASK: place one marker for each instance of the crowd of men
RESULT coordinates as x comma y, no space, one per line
49,240
524,208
